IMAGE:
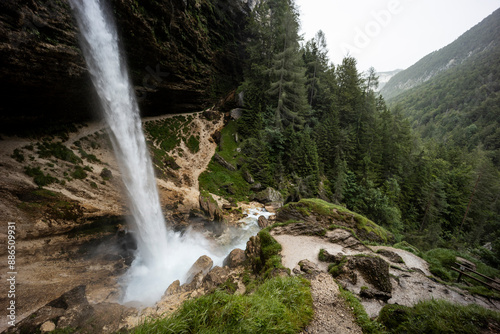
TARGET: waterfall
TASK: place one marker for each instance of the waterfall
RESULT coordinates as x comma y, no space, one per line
99,42
155,265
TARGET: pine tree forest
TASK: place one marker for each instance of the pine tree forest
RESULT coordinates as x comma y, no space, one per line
317,129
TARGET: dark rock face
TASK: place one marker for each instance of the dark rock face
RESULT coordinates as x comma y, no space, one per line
182,55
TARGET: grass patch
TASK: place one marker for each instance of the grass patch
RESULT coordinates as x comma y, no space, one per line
437,316
216,178
322,256
57,150
280,305
228,146
165,133
220,181
362,319
193,144
39,177
270,258
440,261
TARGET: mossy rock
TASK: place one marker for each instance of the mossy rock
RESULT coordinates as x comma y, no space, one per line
319,212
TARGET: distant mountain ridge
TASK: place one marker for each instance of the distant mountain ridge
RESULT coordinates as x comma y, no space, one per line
476,40
384,77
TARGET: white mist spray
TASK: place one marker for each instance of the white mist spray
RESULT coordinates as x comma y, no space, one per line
155,265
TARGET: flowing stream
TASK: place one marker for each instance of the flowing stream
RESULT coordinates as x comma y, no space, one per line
162,256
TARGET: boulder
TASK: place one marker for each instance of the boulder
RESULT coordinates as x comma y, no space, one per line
229,187
211,209
300,229
369,293
195,283
252,252
256,187
236,113
269,195
226,206
263,222
325,256
203,265
346,239
173,288
216,136
217,276
311,269
248,177
374,270
235,258
47,326
393,257
211,114
221,161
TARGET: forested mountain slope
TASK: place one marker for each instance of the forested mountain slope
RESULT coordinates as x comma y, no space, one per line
461,105
479,39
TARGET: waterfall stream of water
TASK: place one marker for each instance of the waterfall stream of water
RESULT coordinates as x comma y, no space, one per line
100,46
162,255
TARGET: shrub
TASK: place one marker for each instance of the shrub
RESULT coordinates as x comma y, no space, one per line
437,316
18,155
440,261
57,150
39,177
106,174
79,173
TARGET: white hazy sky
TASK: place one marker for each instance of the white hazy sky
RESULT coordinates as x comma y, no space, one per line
390,34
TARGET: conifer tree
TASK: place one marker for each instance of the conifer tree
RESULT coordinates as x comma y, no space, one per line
287,90
316,61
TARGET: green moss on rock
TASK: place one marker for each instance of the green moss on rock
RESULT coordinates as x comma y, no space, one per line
327,214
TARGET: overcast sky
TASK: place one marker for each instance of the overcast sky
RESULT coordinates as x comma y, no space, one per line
390,34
